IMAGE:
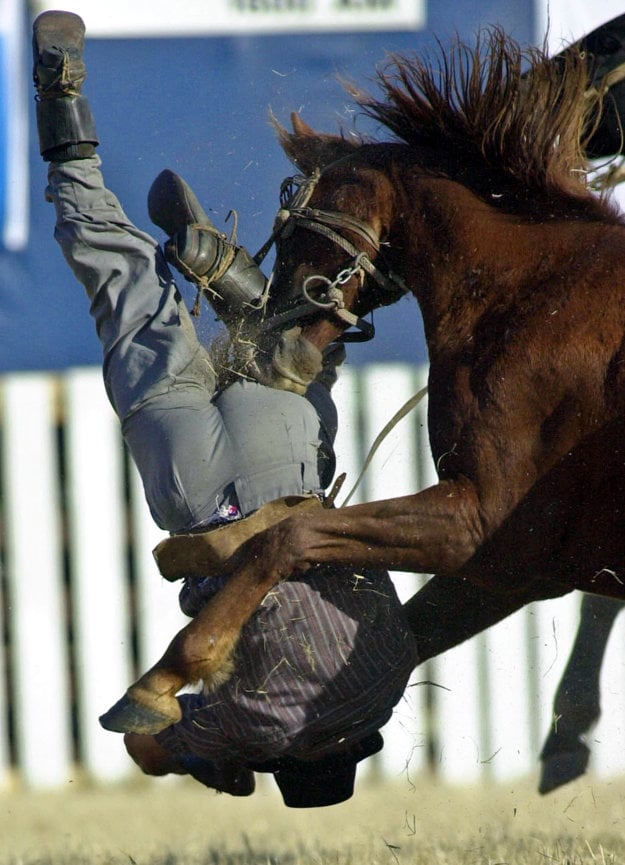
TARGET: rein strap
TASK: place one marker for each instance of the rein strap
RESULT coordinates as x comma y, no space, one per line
399,415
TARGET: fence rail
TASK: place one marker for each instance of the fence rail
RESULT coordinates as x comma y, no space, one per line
84,608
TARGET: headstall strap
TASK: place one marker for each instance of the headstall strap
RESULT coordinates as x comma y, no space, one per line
289,200
294,211
339,220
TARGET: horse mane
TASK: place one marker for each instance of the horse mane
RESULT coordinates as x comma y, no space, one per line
479,106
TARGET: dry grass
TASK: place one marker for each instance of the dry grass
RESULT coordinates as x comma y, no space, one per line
165,823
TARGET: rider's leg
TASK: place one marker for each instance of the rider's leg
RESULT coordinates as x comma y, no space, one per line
158,377
155,370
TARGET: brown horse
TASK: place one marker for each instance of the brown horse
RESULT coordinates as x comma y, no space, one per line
480,206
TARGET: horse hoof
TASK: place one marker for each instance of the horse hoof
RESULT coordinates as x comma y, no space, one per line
128,715
561,769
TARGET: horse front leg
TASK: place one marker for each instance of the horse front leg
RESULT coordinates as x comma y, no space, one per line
417,533
576,707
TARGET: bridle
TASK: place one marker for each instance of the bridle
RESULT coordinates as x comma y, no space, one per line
295,193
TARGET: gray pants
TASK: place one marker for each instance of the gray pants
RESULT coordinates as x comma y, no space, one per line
195,452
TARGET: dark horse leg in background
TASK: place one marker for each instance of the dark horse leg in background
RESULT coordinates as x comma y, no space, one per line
576,706
447,611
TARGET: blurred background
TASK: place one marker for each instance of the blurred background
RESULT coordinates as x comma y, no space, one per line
189,86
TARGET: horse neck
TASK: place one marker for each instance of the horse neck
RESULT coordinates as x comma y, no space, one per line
458,257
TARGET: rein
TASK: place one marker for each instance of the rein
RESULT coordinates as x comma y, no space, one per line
400,414
293,213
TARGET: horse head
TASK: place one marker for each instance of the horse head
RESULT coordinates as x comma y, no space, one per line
330,235
370,220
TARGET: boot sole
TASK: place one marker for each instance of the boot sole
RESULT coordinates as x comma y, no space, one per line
58,30
172,205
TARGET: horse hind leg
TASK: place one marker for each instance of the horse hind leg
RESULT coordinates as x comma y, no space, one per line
576,708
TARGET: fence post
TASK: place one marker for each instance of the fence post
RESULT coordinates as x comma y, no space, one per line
97,547
38,615
156,604
77,539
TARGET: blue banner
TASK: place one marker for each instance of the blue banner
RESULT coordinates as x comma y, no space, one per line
200,106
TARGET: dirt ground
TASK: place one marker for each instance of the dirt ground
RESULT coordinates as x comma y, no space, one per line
416,822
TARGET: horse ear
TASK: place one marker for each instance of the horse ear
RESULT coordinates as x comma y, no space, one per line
300,127
310,150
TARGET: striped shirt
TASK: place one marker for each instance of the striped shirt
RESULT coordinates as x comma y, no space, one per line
320,665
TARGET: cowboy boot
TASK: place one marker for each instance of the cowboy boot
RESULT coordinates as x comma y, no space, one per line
234,286
64,121
229,277
604,50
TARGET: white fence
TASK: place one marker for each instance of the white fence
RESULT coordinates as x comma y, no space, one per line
84,608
